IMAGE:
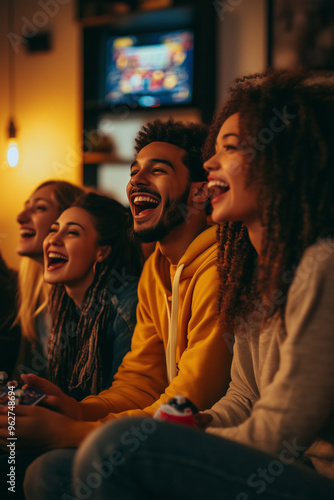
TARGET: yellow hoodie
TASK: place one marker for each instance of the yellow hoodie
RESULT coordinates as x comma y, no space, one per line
176,347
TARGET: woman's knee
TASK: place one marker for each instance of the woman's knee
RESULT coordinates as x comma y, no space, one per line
107,447
50,472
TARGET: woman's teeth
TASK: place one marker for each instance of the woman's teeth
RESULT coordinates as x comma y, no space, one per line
217,187
27,233
56,258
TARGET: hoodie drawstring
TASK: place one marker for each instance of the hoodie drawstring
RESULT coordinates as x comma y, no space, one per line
172,325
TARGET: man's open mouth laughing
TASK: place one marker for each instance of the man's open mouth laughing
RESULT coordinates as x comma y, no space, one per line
143,205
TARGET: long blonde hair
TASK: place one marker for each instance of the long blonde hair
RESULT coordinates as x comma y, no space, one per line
33,296
33,291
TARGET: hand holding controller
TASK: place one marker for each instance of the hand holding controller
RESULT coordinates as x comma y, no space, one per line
27,396
179,410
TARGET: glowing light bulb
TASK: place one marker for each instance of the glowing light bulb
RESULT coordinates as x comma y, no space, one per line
12,149
12,153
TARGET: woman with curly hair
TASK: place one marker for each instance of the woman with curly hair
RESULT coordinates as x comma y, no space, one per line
270,160
94,265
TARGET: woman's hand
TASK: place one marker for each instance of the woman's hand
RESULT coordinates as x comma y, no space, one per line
202,420
39,429
55,398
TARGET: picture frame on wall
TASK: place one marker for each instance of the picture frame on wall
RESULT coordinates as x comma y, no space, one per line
301,33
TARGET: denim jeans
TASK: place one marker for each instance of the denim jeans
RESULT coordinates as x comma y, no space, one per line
21,464
49,477
136,458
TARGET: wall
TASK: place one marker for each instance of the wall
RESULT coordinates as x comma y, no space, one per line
242,44
47,110
48,93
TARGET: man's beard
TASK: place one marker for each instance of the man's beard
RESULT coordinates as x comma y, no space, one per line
174,214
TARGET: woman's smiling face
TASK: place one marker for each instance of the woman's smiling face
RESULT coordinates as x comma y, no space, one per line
35,220
232,199
71,249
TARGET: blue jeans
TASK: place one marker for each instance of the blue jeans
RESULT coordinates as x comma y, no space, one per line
139,459
21,464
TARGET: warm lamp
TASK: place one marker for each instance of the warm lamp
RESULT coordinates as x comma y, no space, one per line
12,149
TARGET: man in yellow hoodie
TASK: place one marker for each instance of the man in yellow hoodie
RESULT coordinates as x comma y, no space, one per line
176,348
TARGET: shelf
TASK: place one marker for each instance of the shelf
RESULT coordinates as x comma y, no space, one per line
99,12
100,157
99,20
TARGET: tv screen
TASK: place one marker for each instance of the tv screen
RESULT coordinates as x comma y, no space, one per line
150,69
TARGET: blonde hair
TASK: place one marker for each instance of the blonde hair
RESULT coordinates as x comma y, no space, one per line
33,291
33,296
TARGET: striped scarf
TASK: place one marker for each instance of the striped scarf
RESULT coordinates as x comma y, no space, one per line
74,347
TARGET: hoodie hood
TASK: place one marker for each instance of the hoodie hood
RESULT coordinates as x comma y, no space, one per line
199,250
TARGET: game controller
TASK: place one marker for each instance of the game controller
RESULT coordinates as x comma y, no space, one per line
179,409
27,396
3,378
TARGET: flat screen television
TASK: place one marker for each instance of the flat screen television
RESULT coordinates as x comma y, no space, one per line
163,58
150,69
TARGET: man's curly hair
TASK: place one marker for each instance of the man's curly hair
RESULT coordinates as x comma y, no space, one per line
290,114
188,136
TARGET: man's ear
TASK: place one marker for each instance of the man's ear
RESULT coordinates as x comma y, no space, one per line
200,192
103,253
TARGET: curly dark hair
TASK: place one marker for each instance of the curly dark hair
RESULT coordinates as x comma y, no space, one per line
188,136
286,131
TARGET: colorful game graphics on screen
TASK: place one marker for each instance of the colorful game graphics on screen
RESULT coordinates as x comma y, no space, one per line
150,69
